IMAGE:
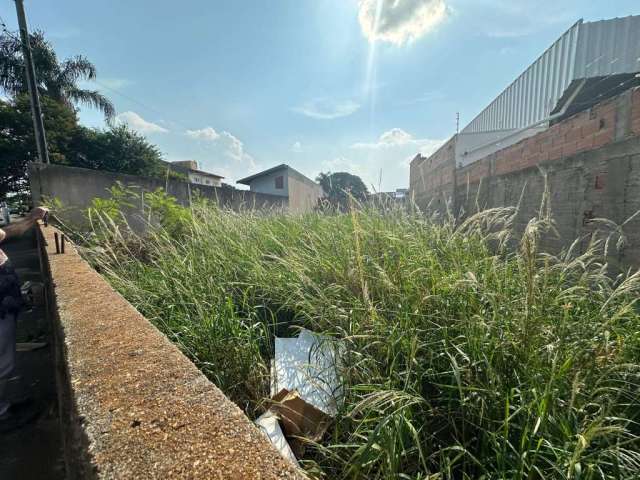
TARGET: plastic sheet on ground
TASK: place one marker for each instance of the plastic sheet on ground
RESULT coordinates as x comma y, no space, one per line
268,423
308,365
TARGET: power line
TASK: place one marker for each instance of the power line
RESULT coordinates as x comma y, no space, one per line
138,102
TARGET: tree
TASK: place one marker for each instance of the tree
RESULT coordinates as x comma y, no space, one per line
17,141
118,149
339,186
56,80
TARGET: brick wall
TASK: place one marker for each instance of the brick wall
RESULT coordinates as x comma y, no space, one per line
587,130
592,160
635,112
431,179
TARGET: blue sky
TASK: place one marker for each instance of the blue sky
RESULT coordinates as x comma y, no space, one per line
242,85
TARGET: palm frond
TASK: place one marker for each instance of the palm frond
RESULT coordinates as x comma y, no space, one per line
77,68
93,99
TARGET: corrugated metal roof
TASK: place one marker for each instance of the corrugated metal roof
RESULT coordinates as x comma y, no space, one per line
585,50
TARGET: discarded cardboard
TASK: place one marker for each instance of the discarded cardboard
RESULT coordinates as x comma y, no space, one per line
307,365
299,419
268,423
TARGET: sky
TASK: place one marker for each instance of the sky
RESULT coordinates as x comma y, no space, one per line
323,85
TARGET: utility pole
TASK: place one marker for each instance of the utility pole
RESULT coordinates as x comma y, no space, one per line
36,112
457,122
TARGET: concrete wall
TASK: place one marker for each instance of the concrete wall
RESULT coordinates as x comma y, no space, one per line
593,165
303,193
76,187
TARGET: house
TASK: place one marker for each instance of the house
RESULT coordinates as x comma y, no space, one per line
302,192
195,176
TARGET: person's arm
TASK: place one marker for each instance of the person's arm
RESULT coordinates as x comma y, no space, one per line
19,227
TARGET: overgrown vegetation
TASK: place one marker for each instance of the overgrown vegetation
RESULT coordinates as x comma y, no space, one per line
468,353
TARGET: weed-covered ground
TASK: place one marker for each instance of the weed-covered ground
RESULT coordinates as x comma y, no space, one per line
468,353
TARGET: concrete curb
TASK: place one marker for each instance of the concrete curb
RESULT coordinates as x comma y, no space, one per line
133,406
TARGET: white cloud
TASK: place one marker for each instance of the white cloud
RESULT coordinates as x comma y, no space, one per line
396,137
234,149
327,109
138,123
400,21
384,164
296,147
222,153
206,133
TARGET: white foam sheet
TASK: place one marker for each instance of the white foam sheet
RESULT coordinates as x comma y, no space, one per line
270,426
308,364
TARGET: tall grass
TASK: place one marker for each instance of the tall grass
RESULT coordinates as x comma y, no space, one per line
468,353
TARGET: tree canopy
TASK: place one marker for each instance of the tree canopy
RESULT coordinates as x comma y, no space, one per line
339,186
56,80
117,149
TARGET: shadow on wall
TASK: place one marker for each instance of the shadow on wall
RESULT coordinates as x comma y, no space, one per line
75,188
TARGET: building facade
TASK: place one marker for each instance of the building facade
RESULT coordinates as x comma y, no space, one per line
302,192
195,176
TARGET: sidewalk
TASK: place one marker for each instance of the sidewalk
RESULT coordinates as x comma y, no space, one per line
35,451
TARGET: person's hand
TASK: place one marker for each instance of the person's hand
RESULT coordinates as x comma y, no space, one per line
39,213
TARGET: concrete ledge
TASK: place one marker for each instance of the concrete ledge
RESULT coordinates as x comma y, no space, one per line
132,404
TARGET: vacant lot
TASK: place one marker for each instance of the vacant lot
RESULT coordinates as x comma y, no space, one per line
468,353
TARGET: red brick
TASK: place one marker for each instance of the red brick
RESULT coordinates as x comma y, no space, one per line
590,127
603,138
605,109
544,156
542,137
609,120
530,150
558,140
573,134
532,160
569,148
585,143
502,166
555,152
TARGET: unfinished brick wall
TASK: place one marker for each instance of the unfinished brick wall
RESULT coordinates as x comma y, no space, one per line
431,180
592,163
635,112
587,130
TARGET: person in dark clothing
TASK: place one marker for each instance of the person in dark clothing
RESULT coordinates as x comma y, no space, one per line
11,416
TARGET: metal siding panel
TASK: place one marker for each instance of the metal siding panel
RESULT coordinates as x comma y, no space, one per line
532,94
585,49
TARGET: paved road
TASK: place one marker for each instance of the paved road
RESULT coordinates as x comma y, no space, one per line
35,451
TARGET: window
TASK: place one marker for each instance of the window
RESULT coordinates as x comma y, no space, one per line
279,182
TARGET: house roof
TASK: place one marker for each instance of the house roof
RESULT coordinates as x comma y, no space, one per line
206,173
249,179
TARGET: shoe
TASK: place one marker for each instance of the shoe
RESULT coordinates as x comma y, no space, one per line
18,415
